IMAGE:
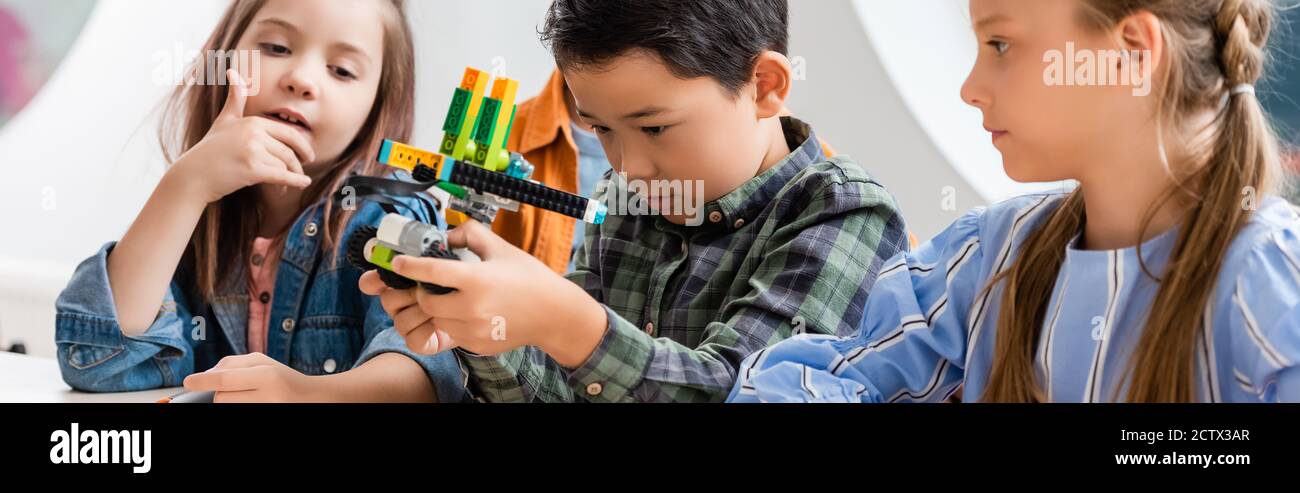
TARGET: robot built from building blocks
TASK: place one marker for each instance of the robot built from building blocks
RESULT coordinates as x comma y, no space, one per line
472,167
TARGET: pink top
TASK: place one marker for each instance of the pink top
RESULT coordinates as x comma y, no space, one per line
261,287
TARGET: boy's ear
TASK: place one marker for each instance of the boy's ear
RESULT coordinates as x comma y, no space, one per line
772,78
1142,33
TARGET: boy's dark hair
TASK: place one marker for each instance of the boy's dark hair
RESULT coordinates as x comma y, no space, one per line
720,39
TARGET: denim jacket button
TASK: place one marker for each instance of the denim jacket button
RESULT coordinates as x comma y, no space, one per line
287,325
329,366
310,230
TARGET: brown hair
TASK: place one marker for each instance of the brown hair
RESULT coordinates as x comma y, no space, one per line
227,227
1213,46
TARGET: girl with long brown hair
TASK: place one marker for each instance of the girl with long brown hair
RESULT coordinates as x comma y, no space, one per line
233,265
1170,274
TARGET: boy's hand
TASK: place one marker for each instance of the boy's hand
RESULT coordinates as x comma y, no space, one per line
409,319
254,378
508,300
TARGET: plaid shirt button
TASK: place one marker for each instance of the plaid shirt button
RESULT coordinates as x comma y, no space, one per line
715,216
594,389
650,328
739,223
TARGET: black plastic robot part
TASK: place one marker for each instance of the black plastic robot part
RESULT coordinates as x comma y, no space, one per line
509,187
356,247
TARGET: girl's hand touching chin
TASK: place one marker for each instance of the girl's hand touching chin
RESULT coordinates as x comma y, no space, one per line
241,151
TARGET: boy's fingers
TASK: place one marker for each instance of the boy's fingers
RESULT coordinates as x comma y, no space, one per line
394,300
409,319
236,97
453,327
428,339
450,306
475,236
371,284
443,272
447,330
442,341
418,340
226,380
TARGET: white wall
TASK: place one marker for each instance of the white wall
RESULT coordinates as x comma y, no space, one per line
81,158
882,85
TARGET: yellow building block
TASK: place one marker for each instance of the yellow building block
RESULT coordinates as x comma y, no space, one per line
504,90
399,155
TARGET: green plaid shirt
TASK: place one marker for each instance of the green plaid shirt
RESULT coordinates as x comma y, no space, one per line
796,248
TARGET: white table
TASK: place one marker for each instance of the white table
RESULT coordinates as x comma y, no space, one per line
32,379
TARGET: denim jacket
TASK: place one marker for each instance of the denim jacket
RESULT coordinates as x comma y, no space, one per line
320,321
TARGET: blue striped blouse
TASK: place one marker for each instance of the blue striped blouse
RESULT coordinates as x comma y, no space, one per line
929,327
